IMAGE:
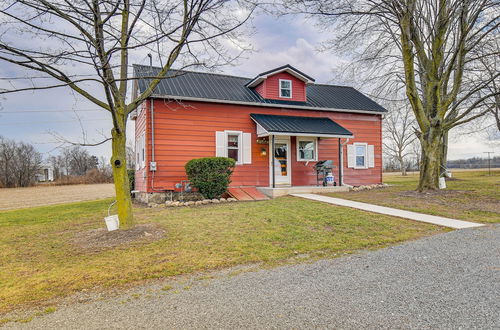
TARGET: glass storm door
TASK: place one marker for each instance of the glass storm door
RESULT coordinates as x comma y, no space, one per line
282,162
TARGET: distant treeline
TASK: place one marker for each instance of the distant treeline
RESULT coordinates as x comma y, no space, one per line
475,162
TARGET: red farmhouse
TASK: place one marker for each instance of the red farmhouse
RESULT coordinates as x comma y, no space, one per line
277,126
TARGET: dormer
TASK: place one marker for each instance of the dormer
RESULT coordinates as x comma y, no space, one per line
284,83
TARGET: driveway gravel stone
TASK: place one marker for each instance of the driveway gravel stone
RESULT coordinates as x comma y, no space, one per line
445,281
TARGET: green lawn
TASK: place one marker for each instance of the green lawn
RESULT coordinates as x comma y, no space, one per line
471,195
40,261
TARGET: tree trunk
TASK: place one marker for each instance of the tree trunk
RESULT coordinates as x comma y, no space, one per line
430,161
402,166
120,178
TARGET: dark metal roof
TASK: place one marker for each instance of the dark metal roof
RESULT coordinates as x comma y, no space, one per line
230,89
299,125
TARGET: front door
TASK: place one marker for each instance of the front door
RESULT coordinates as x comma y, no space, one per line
282,162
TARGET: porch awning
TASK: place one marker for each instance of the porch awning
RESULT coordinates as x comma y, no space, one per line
298,126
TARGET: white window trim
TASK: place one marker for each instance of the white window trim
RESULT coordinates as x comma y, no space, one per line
285,97
366,155
240,145
315,140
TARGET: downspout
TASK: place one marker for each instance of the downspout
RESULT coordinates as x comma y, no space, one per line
272,163
341,161
152,115
152,109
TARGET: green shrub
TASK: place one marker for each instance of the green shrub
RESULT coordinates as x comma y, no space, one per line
210,175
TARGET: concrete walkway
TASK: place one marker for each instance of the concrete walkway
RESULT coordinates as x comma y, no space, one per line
440,221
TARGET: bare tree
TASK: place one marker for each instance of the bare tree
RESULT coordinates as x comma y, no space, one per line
100,37
19,162
78,161
426,48
7,162
399,133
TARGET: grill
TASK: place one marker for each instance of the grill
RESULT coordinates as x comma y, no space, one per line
322,168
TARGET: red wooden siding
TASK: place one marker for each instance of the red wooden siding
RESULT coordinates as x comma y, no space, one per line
186,131
269,88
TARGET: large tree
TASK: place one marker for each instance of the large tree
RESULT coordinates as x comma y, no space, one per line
427,47
87,46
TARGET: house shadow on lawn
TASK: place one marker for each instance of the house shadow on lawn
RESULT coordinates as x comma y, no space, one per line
97,240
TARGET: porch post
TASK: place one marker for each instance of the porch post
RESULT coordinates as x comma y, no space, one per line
341,164
272,163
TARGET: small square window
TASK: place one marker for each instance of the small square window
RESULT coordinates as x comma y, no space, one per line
306,149
285,88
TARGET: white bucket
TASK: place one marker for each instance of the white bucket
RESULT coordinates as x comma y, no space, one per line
112,222
442,183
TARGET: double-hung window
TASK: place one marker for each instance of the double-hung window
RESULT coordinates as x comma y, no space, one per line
234,146
285,88
360,149
307,149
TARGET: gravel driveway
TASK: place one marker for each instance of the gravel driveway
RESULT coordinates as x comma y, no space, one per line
450,280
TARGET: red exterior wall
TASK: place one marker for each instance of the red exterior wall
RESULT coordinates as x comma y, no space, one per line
186,131
269,88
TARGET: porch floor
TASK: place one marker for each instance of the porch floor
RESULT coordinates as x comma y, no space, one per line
287,190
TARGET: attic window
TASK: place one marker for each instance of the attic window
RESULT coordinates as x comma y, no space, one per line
285,88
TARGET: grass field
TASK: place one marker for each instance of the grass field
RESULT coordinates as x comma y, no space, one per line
41,195
43,255
471,195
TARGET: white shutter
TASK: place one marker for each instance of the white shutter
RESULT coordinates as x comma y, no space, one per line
247,148
371,156
220,144
351,156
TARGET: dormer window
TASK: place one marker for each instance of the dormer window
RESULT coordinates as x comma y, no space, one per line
286,88
283,83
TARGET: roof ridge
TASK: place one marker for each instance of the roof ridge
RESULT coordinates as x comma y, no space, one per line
198,72
234,76
330,85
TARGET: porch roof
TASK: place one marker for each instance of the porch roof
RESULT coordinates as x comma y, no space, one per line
298,126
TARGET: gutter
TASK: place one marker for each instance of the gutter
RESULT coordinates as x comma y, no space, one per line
270,105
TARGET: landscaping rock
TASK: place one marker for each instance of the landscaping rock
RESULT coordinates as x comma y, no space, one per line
232,199
176,204
190,203
215,201
198,203
223,200
169,204
153,205
206,201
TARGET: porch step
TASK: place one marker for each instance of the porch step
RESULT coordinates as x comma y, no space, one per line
239,194
254,193
246,193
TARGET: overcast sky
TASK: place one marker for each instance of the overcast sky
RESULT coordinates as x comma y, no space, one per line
30,116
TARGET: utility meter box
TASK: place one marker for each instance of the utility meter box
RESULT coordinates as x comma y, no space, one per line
152,166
